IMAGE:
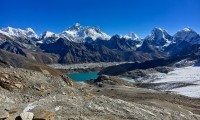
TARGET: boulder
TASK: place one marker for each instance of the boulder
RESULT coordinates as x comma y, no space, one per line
19,86
40,87
26,115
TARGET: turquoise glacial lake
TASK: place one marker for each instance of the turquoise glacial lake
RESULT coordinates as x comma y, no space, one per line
80,77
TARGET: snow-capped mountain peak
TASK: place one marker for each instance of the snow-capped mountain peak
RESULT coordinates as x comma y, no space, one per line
159,37
187,29
159,33
48,34
10,31
77,24
132,36
188,35
47,37
31,33
30,30
78,33
16,32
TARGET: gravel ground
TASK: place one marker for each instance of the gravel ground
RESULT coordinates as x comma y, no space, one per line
85,65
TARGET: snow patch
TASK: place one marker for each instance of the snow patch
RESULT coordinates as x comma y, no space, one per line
57,108
184,81
187,29
29,107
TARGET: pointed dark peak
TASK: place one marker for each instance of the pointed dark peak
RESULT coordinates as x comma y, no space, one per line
114,37
157,30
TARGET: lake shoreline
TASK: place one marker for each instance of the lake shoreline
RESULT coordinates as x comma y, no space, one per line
83,76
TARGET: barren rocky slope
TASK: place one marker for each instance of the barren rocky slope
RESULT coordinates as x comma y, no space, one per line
25,90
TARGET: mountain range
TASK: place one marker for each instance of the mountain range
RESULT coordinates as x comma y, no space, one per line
79,44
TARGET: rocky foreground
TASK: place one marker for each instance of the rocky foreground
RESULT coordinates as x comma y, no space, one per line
35,92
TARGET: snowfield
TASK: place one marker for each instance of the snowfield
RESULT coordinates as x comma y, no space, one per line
184,81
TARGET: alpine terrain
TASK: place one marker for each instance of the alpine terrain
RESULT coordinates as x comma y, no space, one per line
150,78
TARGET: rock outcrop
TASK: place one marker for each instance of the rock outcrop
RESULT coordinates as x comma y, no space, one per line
26,116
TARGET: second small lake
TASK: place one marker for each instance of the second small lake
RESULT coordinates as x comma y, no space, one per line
80,77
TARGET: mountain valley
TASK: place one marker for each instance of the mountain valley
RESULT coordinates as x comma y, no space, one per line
149,78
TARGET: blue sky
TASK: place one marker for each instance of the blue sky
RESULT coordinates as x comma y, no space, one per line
112,16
